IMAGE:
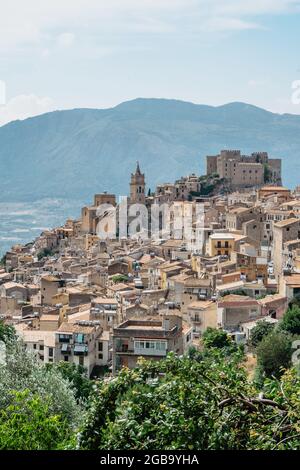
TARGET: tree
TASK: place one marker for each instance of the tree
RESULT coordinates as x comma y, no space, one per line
119,278
77,376
7,333
262,329
21,371
267,173
44,253
28,424
291,320
274,353
185,404
214,338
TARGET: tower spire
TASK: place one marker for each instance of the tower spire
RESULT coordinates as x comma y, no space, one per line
138,170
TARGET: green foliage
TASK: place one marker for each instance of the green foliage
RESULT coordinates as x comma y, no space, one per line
22,371
274,353
119,278
295,301
214,338
291,320
203,403
7,333
3,261
44,253
28,424
77,376
262,329
234,292
267,173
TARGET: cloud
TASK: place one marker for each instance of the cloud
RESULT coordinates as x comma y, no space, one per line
34,22
24,106
256,83
219,24
66,39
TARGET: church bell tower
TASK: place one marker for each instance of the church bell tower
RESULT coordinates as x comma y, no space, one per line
137,186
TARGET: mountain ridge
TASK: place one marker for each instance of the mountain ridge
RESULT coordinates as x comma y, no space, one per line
75,153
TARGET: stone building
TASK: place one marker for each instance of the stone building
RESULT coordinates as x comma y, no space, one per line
137,186
242,171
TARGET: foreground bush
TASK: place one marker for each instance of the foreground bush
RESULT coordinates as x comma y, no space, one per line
201,403
28,424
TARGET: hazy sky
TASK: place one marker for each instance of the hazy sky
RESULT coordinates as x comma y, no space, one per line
97,53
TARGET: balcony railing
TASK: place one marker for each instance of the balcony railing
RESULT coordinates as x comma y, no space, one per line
149,352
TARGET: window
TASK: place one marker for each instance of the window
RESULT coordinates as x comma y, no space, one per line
100,356
155,345
41,347
79,338
63,338
50,352
66,358
34,346
100,346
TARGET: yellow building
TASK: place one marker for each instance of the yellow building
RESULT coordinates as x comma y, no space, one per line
221,244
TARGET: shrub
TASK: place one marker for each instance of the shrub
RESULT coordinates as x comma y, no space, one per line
274,353
262,329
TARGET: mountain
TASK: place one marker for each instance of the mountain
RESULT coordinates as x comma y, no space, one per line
76,153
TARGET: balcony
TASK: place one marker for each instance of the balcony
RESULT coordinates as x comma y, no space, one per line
65,338
123,348
196,320
66,349
149,352
81,350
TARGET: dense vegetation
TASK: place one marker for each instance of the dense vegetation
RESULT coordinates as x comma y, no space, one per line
204,400
44,253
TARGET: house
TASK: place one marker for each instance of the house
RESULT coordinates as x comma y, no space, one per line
77,343
283,231
202,314
232,310
151,338
195,289
290,286
14,290
49,288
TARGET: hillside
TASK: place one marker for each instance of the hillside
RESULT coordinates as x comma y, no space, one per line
75,153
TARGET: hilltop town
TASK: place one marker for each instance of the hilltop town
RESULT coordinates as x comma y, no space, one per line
79,295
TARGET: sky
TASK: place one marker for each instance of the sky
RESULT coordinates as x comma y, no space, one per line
61,54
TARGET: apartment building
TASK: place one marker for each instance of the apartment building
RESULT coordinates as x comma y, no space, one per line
151,338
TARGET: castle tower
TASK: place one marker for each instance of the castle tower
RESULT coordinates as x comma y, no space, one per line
137,186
